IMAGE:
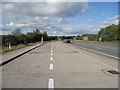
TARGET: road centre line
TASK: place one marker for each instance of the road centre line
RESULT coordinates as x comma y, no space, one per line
51,67
51,54
51,58
51,84
51,80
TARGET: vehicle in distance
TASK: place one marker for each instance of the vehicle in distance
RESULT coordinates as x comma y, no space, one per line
68,41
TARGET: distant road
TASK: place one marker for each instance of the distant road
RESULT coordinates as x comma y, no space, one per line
103,48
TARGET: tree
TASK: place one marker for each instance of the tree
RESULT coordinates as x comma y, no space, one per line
109,33
17,32
45,36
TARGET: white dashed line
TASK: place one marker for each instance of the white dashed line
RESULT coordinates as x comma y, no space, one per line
51,66
51,80
51,54
51,84
51,58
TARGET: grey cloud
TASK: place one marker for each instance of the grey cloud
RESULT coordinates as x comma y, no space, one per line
42,23
79,30
42,15
45,8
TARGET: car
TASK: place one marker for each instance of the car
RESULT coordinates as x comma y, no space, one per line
68,41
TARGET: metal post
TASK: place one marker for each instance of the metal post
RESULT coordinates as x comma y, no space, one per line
100,39
9,46
42,39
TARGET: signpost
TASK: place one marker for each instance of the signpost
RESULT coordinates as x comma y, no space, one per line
85,38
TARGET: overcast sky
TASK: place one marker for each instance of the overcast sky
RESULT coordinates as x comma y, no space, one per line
58,18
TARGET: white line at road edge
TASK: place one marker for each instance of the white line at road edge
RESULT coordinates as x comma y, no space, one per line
51,83
100,53
51,51
100,62
51,66
51,58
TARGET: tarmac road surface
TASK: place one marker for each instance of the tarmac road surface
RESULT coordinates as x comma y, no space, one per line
60,65
111,50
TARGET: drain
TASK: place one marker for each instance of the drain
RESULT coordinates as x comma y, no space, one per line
110,72
113,72
75,51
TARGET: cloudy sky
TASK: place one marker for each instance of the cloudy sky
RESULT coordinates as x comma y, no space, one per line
58,18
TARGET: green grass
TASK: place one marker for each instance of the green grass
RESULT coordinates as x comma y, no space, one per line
5,49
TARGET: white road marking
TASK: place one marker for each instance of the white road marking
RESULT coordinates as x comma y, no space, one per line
51,58
100,53
51,80
51,54
51,66
51,83
100,62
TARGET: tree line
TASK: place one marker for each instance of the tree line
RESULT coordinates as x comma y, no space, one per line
110,33
17,37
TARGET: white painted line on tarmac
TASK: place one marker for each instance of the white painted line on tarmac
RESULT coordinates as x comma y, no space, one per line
51,66
51,58
51,84
51,54
100,62
100,53
51,51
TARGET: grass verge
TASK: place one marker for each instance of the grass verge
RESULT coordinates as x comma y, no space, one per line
6,49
